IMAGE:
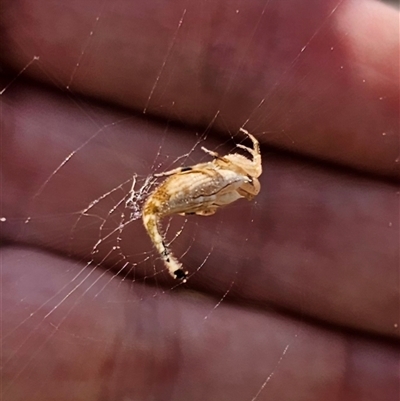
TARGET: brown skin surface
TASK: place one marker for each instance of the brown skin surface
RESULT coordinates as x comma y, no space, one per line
323,242
333,100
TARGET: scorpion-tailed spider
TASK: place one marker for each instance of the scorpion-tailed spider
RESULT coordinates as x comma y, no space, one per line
201,189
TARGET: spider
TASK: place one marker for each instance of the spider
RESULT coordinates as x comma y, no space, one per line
201,189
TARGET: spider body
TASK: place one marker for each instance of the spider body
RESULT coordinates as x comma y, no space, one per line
201,189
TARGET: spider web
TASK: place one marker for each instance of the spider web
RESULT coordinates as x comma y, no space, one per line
101,230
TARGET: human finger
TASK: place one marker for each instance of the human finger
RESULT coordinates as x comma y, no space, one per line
76,337
319,78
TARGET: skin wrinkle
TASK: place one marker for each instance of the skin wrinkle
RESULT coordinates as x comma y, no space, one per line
162,371
108,371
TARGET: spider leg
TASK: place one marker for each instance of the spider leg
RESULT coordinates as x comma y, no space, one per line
198,168
255,152
169,172
204,212
256,144
250,150
207,212
249,190
210,152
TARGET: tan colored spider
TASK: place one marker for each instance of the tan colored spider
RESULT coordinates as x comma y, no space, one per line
201,189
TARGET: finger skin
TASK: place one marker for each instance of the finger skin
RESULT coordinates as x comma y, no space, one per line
319,78
120,340
320,242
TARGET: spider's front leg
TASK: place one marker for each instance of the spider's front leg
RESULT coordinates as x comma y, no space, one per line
249,190
256,169
210,152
